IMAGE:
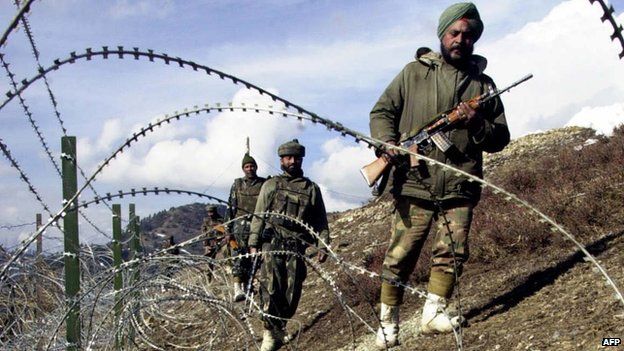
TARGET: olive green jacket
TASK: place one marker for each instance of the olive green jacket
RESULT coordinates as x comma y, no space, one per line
420,92
243,196
298,197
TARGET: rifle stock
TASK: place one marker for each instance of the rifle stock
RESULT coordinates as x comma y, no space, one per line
373,171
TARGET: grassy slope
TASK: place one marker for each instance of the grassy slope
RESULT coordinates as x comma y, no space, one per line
525,287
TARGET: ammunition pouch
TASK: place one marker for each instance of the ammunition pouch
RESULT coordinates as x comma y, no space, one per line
240,230
267,235
289,244
288,224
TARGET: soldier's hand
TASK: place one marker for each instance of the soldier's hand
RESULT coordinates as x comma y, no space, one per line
473,119
389,153
321,256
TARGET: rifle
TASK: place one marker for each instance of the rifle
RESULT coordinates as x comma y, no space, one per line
433,133
249,288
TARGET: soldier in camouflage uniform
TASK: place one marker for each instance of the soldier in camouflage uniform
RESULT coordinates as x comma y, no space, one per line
434,83
212,231
243,198
169,244
282,275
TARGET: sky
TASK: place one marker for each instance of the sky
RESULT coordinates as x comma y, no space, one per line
333,58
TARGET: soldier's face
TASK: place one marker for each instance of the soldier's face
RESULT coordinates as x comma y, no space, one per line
250,170
457,43
291,163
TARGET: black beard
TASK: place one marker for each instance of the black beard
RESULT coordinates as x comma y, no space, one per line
459,63
293,170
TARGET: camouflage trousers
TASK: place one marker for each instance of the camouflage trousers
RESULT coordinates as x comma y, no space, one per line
412,222
241,267
280,285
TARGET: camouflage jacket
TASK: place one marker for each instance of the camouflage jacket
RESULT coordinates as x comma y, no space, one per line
243,196
298,197
211,229
420,92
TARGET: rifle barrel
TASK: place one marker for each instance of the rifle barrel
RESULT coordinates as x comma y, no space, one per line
500,91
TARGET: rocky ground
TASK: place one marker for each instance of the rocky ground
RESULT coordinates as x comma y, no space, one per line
549,297
525,287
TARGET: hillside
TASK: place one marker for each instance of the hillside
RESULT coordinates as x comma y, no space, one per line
183,222
525,287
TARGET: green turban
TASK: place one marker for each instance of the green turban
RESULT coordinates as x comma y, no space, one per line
248,159
291,148
461,10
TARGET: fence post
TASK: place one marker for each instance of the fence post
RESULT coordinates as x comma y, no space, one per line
39,237
135,239
118,278
38,260
72,243
135,247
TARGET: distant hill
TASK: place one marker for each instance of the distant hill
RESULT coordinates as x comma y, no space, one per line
183,222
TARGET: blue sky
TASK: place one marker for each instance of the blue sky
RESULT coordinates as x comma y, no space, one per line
332,57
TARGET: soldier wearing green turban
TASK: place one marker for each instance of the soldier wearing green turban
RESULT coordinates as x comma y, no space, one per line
242,202
426,194
296,196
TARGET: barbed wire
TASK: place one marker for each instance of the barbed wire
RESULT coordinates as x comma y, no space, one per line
31,40
30,117
150,127
617,28
375,143
23,176
40,136
13,25
15,226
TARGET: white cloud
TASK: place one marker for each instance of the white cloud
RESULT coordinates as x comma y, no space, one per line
338,171
111,132
602,118
572,59
110,135
343,63
154,8
213,159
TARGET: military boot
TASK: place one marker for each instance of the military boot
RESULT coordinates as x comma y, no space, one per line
388,332
239,292
434,320
272,339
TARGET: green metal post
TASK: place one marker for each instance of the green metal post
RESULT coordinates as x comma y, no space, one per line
38,259
135,239
135,246
72,243
39,238
118,279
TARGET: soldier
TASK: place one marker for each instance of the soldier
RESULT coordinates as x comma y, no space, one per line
282,275
169,244
433,83
212,230
243,198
